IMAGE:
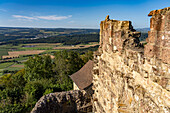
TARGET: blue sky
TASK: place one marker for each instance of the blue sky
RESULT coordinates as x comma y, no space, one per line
75,13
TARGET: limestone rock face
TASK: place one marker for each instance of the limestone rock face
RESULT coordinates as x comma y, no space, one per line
128,78
75,101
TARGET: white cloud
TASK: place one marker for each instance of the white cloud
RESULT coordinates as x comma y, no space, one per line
53,17
24,17
49,17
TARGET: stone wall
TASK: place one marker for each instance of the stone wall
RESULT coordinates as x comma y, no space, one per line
159,36
127,79
76,101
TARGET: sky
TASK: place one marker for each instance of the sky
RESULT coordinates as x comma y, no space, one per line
75,13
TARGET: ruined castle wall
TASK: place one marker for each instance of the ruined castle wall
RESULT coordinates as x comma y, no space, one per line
126,78
159,35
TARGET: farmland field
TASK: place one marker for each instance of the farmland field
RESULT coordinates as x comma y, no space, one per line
3,52
1,72
49,51
14,68
21,59
18,65
10,51
39,46
15,54
20,53
30,52
36,48
5,65
45,44
76,46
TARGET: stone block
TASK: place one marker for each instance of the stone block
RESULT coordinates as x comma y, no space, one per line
167,27
151,36
149,50
157,51
159,36
166,55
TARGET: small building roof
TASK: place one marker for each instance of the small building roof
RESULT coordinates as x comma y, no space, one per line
83,77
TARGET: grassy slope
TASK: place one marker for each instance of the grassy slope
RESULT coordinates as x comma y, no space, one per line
14,68
5,65
3,52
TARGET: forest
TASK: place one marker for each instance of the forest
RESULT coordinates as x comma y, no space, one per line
41,75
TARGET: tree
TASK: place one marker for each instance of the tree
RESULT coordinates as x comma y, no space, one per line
38,67
66,63
11,95
87,56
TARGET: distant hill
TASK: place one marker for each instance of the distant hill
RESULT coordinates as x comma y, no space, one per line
144,33
13,33
143,30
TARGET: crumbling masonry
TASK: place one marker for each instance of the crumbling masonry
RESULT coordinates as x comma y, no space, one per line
129,78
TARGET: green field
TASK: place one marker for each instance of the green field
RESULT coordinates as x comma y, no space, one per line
1,74
49,51
16,64
5,65
3,52
14,68
21,58
35,48
5,48
9,66
90,43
